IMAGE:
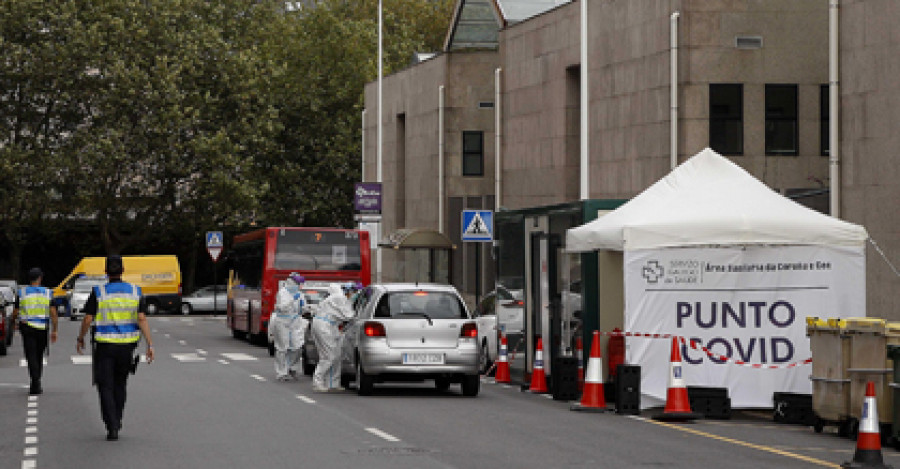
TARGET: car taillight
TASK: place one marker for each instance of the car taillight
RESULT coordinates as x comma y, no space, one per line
514,304
373,329
470,330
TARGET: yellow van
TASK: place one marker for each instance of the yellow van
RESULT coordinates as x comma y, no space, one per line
158,276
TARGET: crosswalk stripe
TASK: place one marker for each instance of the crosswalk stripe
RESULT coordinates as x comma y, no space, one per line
23,362
188,357
239,357
81,359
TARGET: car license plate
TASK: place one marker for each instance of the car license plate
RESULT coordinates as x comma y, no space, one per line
423,358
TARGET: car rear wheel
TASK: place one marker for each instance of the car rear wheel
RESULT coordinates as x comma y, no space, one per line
3,343
471,385
364,382
186,309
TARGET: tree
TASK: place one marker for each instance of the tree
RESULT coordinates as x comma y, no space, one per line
40,108
330,53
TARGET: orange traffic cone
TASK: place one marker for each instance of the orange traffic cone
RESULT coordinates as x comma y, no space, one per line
502,373
593,398
678,407
868,441
579,352
538,379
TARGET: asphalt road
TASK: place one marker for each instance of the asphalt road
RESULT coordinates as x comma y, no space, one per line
210,401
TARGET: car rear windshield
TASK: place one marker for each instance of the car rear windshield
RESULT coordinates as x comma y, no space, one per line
419,304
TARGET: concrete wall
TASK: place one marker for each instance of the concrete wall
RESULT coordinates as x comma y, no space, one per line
410,141
870,111
629,92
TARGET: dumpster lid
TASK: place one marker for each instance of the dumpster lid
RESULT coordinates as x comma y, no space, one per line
865,325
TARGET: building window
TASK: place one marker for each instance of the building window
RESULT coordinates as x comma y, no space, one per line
781,120
824,121
726,118
473,153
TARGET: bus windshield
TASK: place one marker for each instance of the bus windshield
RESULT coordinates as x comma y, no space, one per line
317,250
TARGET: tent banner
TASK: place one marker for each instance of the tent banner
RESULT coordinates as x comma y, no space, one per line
748,303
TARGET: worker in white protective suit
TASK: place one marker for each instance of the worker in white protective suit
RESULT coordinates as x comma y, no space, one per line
329,314
287,326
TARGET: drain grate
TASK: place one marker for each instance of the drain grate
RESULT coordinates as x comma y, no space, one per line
391,451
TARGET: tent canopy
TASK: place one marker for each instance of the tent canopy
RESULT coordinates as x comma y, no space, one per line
709,200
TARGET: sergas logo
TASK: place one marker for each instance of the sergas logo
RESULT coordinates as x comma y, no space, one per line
652,272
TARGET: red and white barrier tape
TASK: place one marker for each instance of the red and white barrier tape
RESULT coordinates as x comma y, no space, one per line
710,353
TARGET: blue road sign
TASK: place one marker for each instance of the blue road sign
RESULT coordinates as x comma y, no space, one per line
478,225
214,239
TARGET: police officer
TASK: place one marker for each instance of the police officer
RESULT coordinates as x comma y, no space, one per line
36,314
121,319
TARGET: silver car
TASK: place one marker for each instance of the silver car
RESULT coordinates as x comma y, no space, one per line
411,332
209,299
80,293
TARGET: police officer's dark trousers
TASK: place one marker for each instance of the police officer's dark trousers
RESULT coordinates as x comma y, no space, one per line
112,364
35,343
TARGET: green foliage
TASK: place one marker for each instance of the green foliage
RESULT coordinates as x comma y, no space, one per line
152,122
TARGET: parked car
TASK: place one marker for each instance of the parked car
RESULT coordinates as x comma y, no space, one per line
77,297
405,332
315,292
209,299
7,303
508,307
488,330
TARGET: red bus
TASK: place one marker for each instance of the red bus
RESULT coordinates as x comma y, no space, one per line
260,259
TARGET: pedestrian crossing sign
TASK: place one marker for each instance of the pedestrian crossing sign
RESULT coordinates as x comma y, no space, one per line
213,239
214,244
478,225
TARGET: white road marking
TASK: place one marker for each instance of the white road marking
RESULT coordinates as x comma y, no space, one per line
32,413
81,359
24,363
168,336
32,404
30,430
32,398
29,464
381,434
305,399
506,386
548,396
31,440
181,342
239,357
258,378
163,319
188,357
31,451
224,362
31,421
201,351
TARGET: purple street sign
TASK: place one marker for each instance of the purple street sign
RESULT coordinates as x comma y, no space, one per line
367,197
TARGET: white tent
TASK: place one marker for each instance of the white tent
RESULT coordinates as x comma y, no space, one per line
713,255
709,200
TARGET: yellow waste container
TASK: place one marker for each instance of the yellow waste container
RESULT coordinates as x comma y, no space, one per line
830,381
869,362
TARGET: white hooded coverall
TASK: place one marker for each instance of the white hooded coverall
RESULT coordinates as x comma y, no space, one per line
286,328
329,314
